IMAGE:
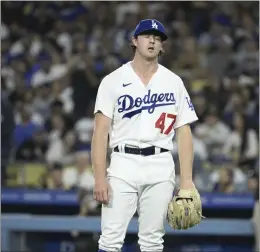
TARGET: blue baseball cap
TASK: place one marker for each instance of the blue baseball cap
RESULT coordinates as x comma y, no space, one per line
151,25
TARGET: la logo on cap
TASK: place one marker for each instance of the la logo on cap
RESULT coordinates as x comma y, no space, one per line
154,25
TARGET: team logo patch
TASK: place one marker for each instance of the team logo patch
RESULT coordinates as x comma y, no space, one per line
191,107
154,25
149,102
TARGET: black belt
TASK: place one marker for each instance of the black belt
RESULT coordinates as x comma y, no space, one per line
140,151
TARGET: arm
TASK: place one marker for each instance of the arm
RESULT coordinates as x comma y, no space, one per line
103,111
185,150
98,154
99,145
186,116
185,210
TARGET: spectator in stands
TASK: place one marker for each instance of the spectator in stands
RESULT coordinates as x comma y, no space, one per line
25,129
33,149
53,179
21,106
225,183
57,108
227,176
84,129
56,148
234,104
213,132
79,175
62,92
48,72
69,148
42,100
242,144
28,101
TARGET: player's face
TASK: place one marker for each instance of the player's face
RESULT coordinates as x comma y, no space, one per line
148,45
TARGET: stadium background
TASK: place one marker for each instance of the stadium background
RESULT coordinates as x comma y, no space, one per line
53,57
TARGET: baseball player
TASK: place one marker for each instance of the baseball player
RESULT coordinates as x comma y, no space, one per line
140,106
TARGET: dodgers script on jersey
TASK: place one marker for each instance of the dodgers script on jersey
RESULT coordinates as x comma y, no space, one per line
142,115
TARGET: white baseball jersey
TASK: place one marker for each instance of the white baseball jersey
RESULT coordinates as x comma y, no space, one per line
144,116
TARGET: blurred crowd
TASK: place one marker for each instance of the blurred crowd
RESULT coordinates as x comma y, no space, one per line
54,55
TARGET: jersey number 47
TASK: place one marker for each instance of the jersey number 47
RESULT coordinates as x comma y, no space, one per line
160,123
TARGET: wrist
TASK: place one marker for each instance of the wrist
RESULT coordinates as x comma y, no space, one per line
100,177
186,184
186,178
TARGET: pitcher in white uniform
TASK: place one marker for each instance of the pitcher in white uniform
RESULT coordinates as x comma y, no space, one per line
140,106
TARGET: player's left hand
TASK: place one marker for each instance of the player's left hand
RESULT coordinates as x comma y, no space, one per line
185,209
102,191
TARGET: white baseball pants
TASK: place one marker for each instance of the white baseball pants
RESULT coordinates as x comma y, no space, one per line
137,191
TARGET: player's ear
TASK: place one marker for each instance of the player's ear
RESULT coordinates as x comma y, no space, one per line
162,46
134,41
161,51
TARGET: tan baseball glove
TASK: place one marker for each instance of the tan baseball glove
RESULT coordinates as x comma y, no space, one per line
185,209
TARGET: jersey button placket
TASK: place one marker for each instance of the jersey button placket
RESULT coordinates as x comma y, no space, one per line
143,118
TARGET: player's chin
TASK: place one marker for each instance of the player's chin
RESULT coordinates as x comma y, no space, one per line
151,55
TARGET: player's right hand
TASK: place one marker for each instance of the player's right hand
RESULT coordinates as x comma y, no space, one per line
102,191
